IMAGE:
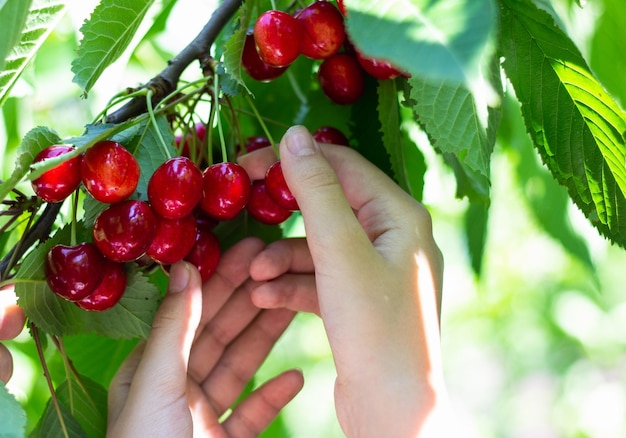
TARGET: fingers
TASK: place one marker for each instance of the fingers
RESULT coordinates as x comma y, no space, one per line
257,162
289,255
120,385
11,315
255,413
6,364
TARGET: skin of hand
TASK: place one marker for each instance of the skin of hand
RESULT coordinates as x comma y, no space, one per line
371,269
206,342
11,324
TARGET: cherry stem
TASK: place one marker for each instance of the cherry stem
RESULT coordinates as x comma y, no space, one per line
46,372
74,217
220,131
262,123
164,147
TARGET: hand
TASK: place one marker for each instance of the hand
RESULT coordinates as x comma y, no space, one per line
371,269
206,342
11,324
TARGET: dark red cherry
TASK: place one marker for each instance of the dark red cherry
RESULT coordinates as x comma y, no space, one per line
323,30
277,189
110,173
175,188
277,37
256,142
263,208
59,182
73,272
226,189
253,64
330,135
173,239
124,231
378,68
342,8
110,290
341,78
205,253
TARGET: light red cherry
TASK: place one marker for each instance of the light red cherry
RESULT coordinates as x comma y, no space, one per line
109,291
323,30
263,208
277,37
341,78
173,239
226,189
124,231
175,188
110,173
378,68
73,272
277,188
253,64
330,135
59,182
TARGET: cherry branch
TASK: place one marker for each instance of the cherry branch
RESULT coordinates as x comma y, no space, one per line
166,82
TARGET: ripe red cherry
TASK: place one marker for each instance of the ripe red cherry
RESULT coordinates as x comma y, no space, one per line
59,182
324,30
226,189
110,290
173,239
124,231
277,37
341,7
277,189
253,64
73,272
330,135
256,142
378,68
341,78
109,172
263,208
175,188
205,253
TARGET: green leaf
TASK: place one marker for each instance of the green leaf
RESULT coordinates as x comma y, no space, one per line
449,39
42,18
12,18
578,129
407,162
49,425
12,416
234,46
106,35
475,223
33,142
89,402
130,318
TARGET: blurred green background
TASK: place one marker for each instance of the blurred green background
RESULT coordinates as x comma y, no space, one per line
533,347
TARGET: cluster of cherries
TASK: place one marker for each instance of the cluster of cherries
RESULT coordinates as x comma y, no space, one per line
317,32
175,223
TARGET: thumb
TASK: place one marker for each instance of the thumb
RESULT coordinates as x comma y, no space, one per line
162,372
327,214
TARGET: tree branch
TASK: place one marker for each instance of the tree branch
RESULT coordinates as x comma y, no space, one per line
166,82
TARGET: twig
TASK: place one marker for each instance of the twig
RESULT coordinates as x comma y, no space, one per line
166,81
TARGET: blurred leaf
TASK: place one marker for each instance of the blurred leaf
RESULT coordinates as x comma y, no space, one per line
89,403
576,126
443,40
159,23
12,416
12,19
41,20
106,35
49,425
33,142
475,221
407,163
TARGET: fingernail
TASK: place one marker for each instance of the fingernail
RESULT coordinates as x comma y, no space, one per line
299,141
179,277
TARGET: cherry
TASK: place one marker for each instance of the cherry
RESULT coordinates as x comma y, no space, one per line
253,64
342,8
124,231
205,253
109,172
330,135
110,290
226,189
73,272
341,78
276,188
324,30
175,188
378,68
254,143
277,37
263,208
173,239
59,182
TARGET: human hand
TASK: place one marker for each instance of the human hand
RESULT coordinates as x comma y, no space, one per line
207,341
371,257
11,324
